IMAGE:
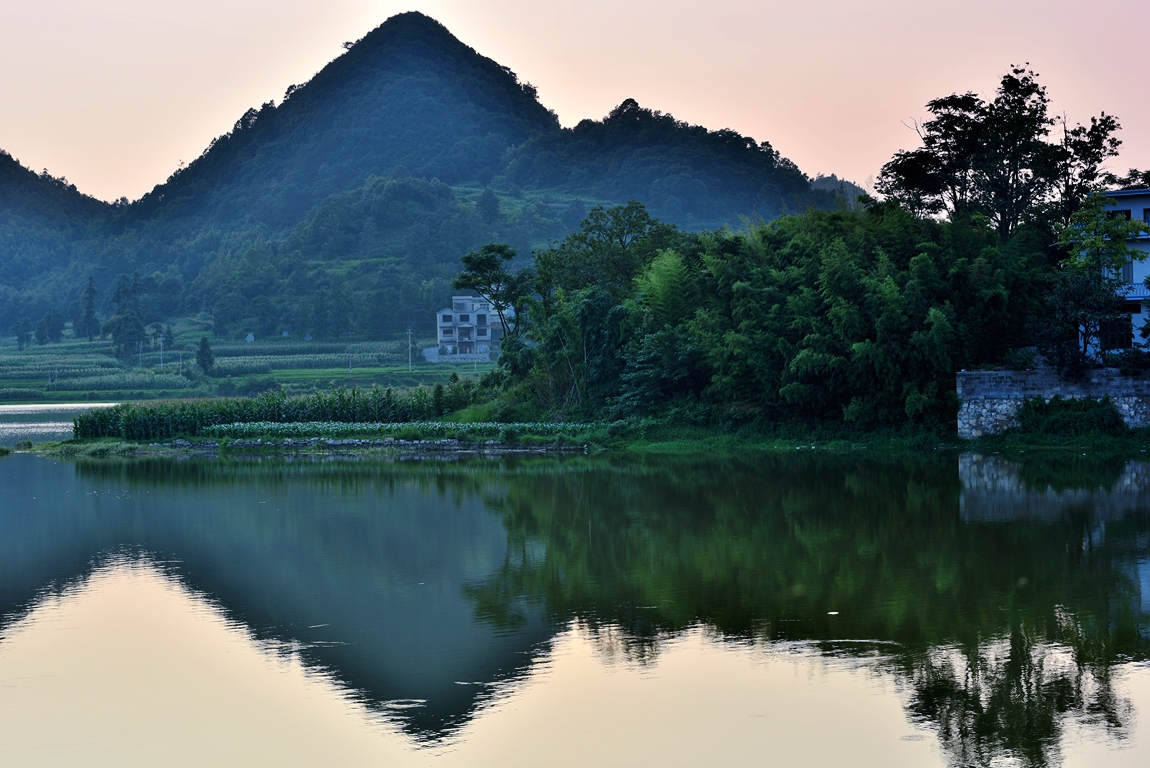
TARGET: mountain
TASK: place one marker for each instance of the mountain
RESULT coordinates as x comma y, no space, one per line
408,94
345,208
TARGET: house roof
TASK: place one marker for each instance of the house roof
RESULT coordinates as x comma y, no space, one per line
1128,192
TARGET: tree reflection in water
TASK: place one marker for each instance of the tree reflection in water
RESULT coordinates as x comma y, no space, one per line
1001,596
1007,619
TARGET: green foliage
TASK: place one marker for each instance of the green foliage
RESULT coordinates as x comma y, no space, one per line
126,325
857,316
486,273
994,158
204,357
50,328
610,248
1129,362
89,324
189,418
1069,418
686,173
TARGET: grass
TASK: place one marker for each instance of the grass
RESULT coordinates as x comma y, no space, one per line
95,449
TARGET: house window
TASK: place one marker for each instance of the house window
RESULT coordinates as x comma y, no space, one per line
465,318
448,332
1146,215
447,318
481,319
1128,272
1118,215
480,331
464,334
460,306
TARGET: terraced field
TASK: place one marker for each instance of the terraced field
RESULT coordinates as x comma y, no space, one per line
78,370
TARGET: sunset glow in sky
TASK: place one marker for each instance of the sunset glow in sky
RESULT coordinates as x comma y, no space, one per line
113,94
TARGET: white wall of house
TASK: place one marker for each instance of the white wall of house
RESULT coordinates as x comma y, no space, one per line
468,326
1137,202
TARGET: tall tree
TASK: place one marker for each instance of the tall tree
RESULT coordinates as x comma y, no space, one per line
126,325
22,330
611,247
89,323
205,358
995,158
485,272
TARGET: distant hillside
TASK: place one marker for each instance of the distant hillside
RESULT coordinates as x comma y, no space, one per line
684,173
345,208
45,227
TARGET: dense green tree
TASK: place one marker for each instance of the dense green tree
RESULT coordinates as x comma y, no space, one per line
486,272
610,248
488,206
205,358
50,328
89,324
858,316
995,158
22,330
126,325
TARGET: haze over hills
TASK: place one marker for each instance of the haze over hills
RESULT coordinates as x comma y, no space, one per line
346,207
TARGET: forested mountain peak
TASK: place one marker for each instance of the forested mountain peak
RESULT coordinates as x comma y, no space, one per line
407,94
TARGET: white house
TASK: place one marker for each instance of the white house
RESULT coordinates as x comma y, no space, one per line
469,326
1134,204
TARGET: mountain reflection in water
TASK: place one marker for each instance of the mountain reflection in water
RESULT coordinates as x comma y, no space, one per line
1001,597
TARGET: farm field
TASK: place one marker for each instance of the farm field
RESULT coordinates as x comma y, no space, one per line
81,371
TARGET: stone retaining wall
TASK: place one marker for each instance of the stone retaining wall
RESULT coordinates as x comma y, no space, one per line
989,400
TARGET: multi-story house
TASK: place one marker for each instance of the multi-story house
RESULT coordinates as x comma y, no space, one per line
469,326
1134,204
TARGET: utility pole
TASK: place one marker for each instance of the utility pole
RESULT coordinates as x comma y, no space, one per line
409,350
161,353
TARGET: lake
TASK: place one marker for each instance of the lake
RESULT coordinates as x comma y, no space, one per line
39,423
807,609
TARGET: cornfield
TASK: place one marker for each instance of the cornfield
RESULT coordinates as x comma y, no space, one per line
159,420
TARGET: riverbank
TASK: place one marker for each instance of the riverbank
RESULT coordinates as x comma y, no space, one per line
647,437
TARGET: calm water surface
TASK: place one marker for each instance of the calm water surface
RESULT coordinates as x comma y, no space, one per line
790,610
39,423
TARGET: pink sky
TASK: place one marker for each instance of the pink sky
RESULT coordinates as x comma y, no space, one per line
113,94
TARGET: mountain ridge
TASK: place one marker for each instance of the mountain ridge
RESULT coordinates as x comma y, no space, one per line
365,185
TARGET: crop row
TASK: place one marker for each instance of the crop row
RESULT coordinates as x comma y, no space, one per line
123,381
425,429
9,393
239,366
151,421
62,372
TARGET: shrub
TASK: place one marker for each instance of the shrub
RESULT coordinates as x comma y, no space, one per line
1070,418
1129,362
